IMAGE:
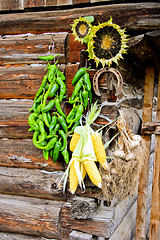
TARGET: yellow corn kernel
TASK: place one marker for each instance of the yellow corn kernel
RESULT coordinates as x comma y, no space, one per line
73,179
93,172
83,171
99,150
74,140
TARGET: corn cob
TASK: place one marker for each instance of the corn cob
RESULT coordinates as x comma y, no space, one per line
74,140
99,150
73,179
83,171
93,172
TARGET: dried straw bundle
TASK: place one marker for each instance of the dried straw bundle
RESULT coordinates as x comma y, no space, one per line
129,155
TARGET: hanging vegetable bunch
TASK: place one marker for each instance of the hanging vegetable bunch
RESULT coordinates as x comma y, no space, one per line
49,125
105,43
47,120
81,97
87,148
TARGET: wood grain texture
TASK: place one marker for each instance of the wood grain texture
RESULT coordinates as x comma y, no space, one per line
133,16
22,50
22,153
30,216
30,183
22,81
143,178
14,236
9,5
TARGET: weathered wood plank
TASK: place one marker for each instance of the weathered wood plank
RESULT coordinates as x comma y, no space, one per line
8,5
143,178
133,16
14,236
103,222
155,205
76,235
31,183
21,81
14,118
26,49
22,153
30,216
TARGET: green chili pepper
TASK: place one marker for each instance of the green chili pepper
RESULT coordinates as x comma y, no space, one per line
85,98
51,153
78,75
65,155
60,74
48,106
80,96
49,145
58,107
64,137
74,101
49,117
71,115
87,81
77,88
45,119
36,103
45,154
41,89
41,136
53,123
56,150
62,121
47,58
47,94
52,70
75,125
53,90
54,131
62,88
78,115
32,121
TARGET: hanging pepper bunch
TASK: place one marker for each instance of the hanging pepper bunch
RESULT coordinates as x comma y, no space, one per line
47,120
81,97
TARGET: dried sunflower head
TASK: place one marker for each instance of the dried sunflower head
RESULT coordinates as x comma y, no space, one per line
82,27
107,43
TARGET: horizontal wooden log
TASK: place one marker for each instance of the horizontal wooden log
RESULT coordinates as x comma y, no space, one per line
21,81
132,16
14,118
9,5
151,128
31,183
22,153
30,216
27,48
14,236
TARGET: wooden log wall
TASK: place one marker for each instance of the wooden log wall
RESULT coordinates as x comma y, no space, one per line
31,207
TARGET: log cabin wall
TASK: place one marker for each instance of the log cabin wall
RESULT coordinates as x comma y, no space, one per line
31,207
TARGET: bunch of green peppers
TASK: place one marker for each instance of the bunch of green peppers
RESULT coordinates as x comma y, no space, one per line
81,97
47,120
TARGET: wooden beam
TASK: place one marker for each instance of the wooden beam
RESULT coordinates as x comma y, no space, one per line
30,216
133,16
19,50
76,235
14,236
155,205
143,179
27,78
31,183
22,153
